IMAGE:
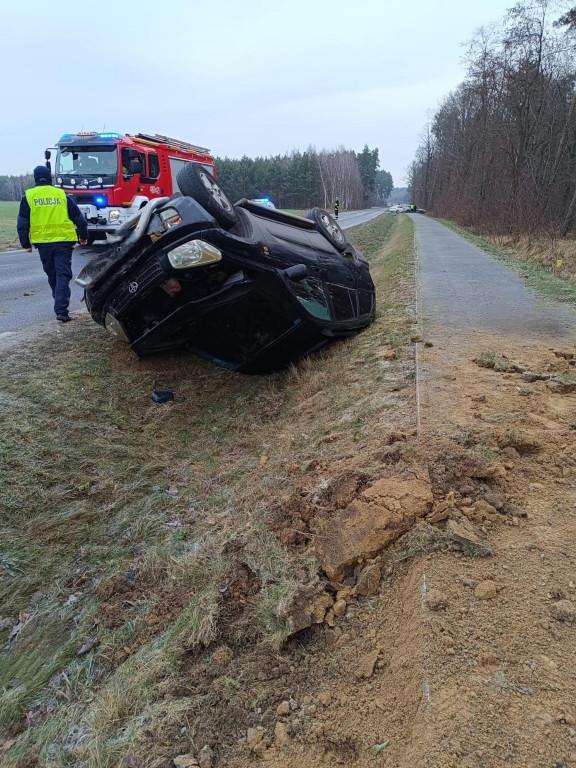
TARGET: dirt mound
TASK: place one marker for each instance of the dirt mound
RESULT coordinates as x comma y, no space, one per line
461,656
375,518
324,489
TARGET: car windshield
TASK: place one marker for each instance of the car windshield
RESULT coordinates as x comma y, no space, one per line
86,161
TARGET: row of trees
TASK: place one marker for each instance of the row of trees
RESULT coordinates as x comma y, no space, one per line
500,152
13,187
308,179
298,180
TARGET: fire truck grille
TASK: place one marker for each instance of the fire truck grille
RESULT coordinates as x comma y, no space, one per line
138,282
86,199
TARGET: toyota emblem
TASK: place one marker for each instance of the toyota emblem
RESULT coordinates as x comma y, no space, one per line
133,287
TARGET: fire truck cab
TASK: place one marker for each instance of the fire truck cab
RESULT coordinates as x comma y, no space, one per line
112,176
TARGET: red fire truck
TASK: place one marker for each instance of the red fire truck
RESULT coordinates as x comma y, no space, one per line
111,175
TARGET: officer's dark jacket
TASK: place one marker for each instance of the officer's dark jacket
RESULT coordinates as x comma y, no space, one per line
23,223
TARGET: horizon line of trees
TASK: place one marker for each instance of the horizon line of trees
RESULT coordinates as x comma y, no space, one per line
500,152
308,179
13,187
296,180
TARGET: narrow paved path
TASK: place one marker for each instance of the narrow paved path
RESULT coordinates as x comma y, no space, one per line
462,287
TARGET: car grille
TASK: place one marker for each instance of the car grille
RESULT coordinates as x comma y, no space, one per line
135,284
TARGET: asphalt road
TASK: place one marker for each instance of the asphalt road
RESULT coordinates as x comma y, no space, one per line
348,219
25,297
463,288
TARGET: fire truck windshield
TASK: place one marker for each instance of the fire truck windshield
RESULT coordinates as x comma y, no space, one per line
86,161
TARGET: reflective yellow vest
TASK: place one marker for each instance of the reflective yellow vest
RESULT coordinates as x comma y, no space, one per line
49,220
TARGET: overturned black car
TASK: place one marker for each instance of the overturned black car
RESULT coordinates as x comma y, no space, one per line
246,286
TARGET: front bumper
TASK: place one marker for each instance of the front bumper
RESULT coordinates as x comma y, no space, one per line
99,218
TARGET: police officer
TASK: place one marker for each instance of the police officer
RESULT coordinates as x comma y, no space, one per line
336,207
48,219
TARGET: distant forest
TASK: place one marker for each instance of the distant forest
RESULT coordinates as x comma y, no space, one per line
500,152
298,180
13,187
308,179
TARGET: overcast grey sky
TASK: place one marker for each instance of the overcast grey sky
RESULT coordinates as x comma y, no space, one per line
252,77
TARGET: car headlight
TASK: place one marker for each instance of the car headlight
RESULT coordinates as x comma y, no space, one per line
114,215
193,253
114,327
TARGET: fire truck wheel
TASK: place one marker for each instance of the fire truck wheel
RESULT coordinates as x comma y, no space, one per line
329,227
194,181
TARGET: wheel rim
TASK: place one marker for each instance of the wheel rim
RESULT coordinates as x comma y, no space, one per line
215,192
333,229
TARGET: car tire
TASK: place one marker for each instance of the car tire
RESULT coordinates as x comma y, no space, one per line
195,181
329,227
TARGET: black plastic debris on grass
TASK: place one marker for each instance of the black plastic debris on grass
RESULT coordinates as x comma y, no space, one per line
161,396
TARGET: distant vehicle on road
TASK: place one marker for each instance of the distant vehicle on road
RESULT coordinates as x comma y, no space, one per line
249,287
265,201
402,208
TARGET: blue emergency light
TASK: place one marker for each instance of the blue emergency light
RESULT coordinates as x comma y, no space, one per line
108,135
101,201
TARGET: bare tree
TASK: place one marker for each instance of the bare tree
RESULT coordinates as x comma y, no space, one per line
340,178
501,150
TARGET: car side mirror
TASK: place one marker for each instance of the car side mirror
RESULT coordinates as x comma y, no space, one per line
296,273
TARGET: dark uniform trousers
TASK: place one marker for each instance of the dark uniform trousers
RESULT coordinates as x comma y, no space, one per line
57,263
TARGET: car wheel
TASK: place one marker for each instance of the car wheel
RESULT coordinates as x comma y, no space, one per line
329,227
194,181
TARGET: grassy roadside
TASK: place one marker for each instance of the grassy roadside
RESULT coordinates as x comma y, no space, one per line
8,236
534,261
137,538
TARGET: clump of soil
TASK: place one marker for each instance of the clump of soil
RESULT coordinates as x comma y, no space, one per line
373,520
321,492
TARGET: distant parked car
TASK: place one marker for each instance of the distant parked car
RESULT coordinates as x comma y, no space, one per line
249,287
413,209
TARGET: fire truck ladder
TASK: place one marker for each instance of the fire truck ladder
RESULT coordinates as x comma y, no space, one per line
176,143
